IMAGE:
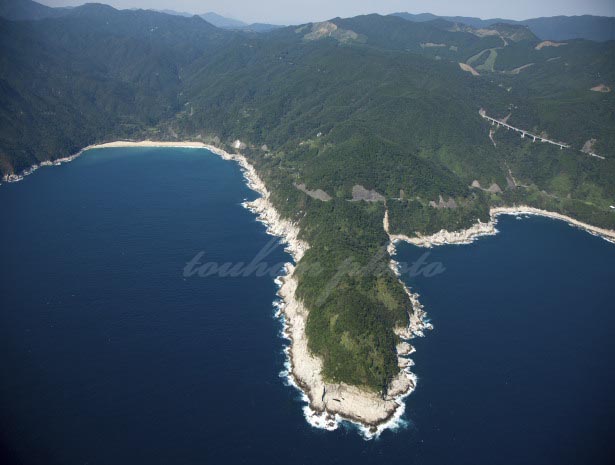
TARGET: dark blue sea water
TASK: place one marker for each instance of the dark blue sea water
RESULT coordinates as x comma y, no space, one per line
109,355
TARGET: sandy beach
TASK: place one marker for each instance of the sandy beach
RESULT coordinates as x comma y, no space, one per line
146,143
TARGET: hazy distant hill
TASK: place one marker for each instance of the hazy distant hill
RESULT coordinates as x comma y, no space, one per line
598,28
172,12
228,23
19,10
261,27
223,22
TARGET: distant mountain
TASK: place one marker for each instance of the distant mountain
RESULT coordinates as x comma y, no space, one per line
19,10
596,28
234,24
469,21
226,23
173,12
261,27
223,22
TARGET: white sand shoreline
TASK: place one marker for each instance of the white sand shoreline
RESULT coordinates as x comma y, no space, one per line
60,161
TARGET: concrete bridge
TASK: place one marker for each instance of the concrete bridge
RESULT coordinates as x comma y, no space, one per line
524,133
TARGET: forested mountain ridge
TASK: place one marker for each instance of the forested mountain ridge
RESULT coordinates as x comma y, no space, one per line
92,72
598,28
373,102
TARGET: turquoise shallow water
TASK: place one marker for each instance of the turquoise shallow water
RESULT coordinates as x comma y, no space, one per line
111,355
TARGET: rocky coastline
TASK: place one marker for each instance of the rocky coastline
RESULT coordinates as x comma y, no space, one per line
328,404
480,229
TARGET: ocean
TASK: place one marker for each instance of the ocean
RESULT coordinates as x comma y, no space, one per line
112,355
